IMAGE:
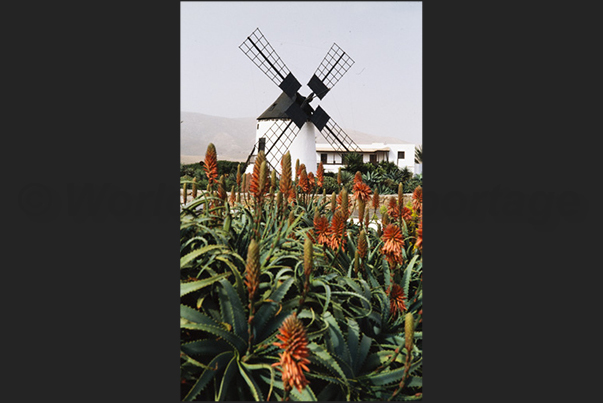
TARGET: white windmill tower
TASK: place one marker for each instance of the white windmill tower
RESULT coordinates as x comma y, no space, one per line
290,123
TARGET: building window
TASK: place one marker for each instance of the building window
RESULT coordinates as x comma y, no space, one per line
323,158
373,158
400,155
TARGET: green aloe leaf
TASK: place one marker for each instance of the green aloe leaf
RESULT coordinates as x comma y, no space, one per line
239,344
205,347
382,357
416,302
375,318
215,366
372,279
189,257
269,308
227,378
321,356
184,245
386,378
351,283
414,381
241,289
345,366
186,288
232,309
193,315
318,333
387,281
193,319
331,392
306,395
282,272
363,349
379,358
276,321
268,367
327,289
335,381
191,360
408,274
366,289
352,294
253,386
353,341
336,340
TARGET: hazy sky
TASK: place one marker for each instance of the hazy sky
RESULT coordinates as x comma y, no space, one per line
381,94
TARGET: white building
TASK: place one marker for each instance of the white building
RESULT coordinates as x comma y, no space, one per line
302,146
276,134
401,154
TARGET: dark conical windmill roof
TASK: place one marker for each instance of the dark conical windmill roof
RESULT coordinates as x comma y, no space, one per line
278,108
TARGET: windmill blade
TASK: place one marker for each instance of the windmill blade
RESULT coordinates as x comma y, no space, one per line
279,138
253,154
261,53
339,140
335,64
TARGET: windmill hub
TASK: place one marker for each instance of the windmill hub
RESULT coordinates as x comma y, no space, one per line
305,105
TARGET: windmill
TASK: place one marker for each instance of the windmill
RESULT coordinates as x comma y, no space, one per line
290,123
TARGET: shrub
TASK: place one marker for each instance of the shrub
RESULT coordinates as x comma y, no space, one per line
410,186
353,163
330,184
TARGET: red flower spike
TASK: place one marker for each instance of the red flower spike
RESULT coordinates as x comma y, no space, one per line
393,243
321,230
396,300
320,175
294,357
417,199
419,241
210,165
392,209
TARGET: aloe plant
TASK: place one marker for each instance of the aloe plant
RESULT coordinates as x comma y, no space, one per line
247,267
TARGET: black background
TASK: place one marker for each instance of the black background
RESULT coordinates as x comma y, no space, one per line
90,303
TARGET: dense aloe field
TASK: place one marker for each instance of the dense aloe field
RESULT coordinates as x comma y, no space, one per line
285,296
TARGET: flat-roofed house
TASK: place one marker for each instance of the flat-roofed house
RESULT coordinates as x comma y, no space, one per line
401,154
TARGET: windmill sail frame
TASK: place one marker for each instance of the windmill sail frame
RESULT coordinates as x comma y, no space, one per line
291,107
